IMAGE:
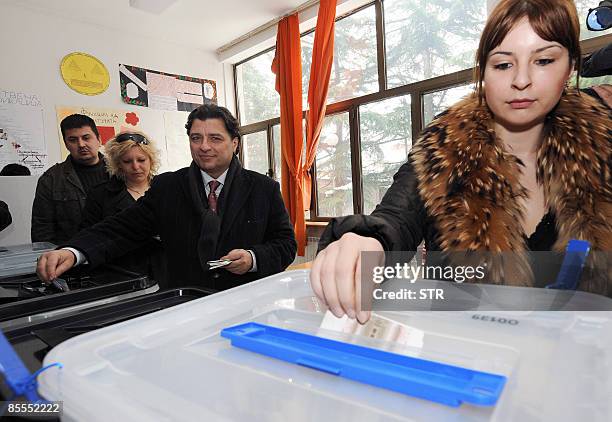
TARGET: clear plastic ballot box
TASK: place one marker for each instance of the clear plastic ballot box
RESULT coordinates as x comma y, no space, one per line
21,259
173,365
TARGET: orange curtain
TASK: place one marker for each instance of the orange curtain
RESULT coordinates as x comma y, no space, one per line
287,65
320,71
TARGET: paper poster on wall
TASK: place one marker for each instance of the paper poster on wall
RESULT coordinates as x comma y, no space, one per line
84,73
22,139
177,141
164,91
109,121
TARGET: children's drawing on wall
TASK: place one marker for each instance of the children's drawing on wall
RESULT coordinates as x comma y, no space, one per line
109,121
22,139
84,73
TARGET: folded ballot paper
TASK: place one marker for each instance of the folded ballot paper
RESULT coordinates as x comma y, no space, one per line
378,327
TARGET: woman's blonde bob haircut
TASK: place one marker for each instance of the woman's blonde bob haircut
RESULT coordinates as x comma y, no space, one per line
115,150
552,20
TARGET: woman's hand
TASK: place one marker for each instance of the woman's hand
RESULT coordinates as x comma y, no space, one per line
336,275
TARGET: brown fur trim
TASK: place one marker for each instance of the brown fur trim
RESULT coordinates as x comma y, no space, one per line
470,184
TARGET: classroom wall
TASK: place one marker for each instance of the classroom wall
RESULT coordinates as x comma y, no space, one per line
32,46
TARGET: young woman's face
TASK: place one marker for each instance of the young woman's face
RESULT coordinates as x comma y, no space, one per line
135,165
525,77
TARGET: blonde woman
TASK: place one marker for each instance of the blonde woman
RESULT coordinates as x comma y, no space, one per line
132,162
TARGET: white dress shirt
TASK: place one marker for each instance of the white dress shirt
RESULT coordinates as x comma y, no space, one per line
207,178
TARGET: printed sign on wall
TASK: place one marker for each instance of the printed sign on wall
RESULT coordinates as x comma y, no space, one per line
22,138
164,91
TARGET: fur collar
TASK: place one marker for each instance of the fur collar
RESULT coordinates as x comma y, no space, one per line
470,184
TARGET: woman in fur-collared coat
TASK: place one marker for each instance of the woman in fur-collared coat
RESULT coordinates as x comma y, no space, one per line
523,164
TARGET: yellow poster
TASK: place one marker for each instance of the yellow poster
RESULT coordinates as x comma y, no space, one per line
85,74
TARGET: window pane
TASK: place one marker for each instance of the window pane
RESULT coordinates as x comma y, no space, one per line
276,134
355,69
257,98
386,138
583,7
255,153
436,102
334,181
428,38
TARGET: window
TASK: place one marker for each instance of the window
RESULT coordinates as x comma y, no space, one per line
385,142
276,136
436,102
334,180
355,70
255,152
588,82
257,97
397,64
427,38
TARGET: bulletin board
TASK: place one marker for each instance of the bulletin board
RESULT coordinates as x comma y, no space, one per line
164,91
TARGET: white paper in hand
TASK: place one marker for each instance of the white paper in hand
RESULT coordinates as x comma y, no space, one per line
378,327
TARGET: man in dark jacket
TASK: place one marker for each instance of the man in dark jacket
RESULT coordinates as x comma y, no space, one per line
212,210
62,190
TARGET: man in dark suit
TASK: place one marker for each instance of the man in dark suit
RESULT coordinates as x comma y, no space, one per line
212,210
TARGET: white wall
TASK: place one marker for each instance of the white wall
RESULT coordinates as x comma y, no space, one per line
32,46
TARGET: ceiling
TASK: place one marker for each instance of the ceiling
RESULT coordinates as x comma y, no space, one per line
204,24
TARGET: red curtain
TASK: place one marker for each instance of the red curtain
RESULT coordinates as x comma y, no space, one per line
320,71
287,65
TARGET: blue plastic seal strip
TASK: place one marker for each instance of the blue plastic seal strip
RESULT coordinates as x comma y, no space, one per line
571,269
17,376
442,383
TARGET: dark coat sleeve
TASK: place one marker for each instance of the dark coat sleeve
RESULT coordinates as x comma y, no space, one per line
5,216
43,212
398,222
94,207
120,234
279,246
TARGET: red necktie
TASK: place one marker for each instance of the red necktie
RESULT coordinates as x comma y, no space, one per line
212,196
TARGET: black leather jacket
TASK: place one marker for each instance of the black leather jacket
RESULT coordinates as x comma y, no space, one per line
58,204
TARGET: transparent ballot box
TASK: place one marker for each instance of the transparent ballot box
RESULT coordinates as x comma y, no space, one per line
173,365
21,259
